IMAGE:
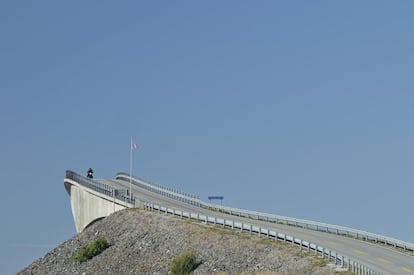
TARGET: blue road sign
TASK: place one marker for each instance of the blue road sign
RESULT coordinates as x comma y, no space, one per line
216,198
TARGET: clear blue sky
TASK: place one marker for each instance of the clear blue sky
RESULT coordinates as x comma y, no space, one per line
298,108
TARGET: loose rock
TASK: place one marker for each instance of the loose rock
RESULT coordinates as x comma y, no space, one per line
146,243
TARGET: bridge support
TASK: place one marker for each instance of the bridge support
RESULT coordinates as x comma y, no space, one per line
89,205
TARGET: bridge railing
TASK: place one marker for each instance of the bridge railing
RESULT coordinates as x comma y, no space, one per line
333,256
162,190
340,230
98,187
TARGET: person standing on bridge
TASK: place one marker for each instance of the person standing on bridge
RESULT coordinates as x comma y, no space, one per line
90,173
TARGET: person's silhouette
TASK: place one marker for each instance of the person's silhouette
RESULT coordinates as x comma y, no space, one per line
90,173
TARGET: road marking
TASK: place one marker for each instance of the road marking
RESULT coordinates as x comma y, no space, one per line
384,261
358,251
407,270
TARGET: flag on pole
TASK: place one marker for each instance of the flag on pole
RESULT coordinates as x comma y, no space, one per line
133,145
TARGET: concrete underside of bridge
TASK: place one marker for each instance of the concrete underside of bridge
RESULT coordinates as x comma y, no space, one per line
88,205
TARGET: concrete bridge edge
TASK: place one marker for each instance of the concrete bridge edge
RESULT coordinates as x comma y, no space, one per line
88,205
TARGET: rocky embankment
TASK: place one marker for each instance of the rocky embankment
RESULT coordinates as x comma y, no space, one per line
146,243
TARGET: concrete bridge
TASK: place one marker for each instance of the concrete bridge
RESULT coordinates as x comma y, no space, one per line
358,251
92,200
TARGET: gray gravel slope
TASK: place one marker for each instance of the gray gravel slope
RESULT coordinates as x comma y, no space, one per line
146,243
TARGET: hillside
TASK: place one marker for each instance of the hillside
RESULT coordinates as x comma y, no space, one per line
146,243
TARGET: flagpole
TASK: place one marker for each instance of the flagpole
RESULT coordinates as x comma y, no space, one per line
130,171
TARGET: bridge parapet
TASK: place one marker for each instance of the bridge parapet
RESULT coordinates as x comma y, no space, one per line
159,189
98,187
92,200
318,226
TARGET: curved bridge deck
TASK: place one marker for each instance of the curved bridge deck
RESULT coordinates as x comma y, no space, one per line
94,199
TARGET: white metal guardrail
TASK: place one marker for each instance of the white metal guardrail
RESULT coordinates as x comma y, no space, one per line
99,187
329,228
333,256
165,191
